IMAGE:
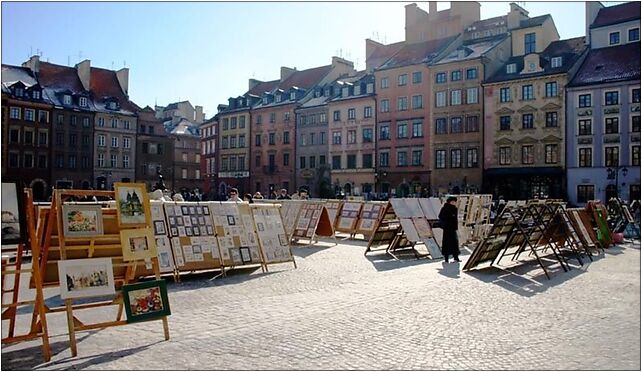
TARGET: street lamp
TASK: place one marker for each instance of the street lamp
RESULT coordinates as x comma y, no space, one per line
614,173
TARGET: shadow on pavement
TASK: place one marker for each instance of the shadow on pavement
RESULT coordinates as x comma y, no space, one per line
213,279
450,270
384,262
91,361
304,251
31,357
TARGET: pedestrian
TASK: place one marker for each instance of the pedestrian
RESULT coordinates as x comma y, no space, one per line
448,222
248,198
284,195
257,195
234,195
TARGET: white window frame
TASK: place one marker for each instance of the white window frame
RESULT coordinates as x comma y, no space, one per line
619,153
511,68
101,142
468,95
15,109
577,156
114,142
66,99
453,95
126,142
82,101
443,102
556,62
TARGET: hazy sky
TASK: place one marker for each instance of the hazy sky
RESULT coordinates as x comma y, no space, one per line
206,52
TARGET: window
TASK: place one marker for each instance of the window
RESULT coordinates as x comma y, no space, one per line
455,158
472,124
441,126
440,99
336,162
556,62
224,142
527,154
367,112
416,157
635,95
126,142
611,98
551,120
455,97
416,77
101,121
72,139
312,139
126,124
352,114
28,140
472,158
550,154
614,38
257,161
15,113
551,89
14,160
384,159
505,155
85,122
286,117
72,120
384,83
233,121
271,139
584,100
114,123
66,99
313,162
584,127
352,162
635,155
336,138
101,160
60,161
403,79
417,128
471,74
366,161
323,118
367,134
440,77
527,92
402,158
241,141
286,138
585,193
322,136
504,95
471,96
529,43
43,116
286,160
456,125
511,69
455,75
226,123
402,129
634,34
417,102
232,142
28,160
60,139
635,124
42,161
258,120
114,161
402,103
29,115
14,135
36,94
114,142
527,121
292,96
440,159
241,122
272,117
336,115
257,140
43,138
352,136
125,161
302,162
384,132
101,139
504,123
322,159
278,98
585,157
611,156
184,173
611,125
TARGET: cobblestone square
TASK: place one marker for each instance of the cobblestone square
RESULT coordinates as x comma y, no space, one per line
341,310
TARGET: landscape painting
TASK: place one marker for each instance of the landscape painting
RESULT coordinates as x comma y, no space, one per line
82,220
132,204
13,219
87,277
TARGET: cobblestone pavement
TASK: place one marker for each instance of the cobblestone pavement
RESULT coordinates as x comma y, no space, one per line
341,310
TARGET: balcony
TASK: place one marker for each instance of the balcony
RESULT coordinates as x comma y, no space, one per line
270,169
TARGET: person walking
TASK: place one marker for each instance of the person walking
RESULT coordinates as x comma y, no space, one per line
448,222
248,198
234,195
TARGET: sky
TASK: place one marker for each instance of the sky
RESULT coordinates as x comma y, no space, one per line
205,52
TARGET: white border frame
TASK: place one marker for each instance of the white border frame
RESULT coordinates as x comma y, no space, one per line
65,265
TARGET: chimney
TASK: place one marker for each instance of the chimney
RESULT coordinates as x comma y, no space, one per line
592,9
84,73
199,115
515,16
432,7
33,64
253,83
286,72
338,60
123,79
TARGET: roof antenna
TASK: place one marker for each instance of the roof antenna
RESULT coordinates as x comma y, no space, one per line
112,65
124,63
68,61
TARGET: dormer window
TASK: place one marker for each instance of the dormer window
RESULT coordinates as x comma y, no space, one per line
327,92
357,90
66,99
35,94
112,105
511,69
292,96
278,98
344,92
265,100
83,102
370,88
556,62
19,92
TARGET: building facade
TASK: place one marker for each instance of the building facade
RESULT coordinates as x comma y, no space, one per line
186,167
209,147
154,149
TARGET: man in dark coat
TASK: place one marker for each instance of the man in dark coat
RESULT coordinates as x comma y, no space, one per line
448,222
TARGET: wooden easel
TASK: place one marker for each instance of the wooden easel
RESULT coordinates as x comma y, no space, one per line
38,327
95,245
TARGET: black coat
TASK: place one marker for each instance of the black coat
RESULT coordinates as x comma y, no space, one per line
448,222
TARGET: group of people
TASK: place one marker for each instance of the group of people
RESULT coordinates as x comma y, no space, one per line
282,195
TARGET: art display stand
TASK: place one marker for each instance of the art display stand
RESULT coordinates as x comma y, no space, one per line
60,247
600,214
581,219
38,327
348,217
334,210
312,221
273,240
619,215
389,235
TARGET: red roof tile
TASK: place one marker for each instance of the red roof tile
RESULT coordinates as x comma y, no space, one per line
104,83
617,14
416,53
305,79
265,86
383,53
59,77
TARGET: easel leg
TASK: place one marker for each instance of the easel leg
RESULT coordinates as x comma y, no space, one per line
72,329
166,328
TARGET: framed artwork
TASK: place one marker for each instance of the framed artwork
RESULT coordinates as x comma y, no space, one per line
179,221
173,231
137,244
192,210
156,210
88,277
184,210
181,231
146,300
132,205
196,249
14,222
196,230
172,221
194,220
82,220
170,211
231,221
201,220
187,221
188,231
159,228
245,255
199,210
210,230
206,210
165,261
259,226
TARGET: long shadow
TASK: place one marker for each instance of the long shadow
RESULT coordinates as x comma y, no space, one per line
450,270
31,357
93,360
304,251
385,262
206,279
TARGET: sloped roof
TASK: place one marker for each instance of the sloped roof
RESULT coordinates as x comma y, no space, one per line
183,127
416,53
174,106
13,74
382,53
617,14
60,77
104,83
473,49
305,79
570,50
488,23
533,22
265,86
607,65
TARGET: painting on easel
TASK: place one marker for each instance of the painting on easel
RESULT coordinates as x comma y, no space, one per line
13,214
132,205
146,300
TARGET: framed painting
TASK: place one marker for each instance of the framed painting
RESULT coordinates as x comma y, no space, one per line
159,228
82,220
146,301
138,244
14,223
132,205
87,277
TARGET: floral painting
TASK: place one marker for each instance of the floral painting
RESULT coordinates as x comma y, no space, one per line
82,220
146,300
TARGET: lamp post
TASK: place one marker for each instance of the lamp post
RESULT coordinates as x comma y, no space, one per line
614,173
